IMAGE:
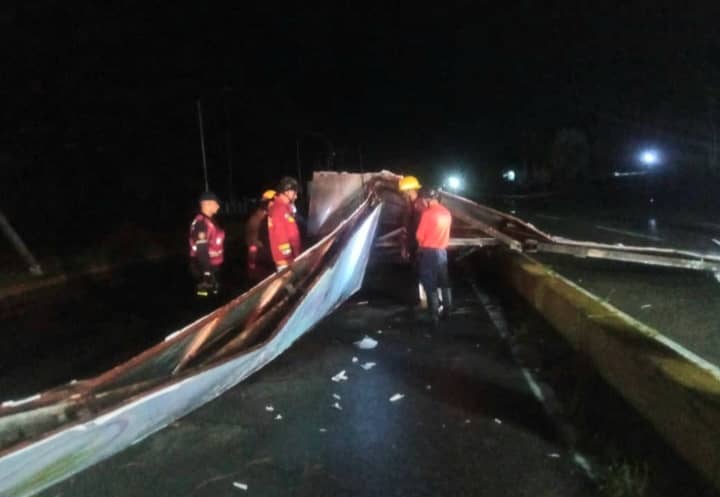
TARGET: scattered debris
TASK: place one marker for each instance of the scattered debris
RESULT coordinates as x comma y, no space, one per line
396,397
337,406
379,332
716,241
646,306
269,408
341,376
366,343
554,455
278,417
354,359
498,421
323,430
367,366
336,396
241,486
363,302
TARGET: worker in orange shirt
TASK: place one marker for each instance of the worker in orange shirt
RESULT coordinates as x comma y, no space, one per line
259,260
410,187
433,237
285,242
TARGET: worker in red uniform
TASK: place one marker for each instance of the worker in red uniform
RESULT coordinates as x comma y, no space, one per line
259,259
433,237
285,242
207,242
410,187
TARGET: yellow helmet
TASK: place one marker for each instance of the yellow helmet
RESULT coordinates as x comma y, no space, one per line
408,183
269,194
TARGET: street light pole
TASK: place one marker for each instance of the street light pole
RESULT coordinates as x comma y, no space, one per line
202,144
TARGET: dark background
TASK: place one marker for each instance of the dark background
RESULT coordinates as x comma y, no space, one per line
99,117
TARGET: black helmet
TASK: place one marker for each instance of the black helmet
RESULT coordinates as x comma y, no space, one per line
207,196
429,193
288,183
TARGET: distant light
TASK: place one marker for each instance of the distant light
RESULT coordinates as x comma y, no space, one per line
454,183
650,157
509,175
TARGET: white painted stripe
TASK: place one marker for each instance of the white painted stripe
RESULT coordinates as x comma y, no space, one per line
629,233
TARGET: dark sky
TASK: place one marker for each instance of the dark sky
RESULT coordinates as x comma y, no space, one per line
104,95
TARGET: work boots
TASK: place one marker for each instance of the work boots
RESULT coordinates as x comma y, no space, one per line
447,302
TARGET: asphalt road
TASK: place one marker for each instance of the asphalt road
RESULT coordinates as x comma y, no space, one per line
467,424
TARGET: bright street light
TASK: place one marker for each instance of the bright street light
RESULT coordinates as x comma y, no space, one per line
454,183
509,175
649,157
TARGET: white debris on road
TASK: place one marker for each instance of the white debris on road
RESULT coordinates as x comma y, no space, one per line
269,408
428,387
336,396
278,417
396,397
498,421
646,306
366,343
363,302
554,455
367,366
341,376
337,406
355,359
379,332
241,486
323,430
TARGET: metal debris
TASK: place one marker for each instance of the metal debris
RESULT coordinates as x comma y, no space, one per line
341,376
366,343
241,486
396,397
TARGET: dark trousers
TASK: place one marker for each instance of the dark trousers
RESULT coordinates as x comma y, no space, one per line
433,270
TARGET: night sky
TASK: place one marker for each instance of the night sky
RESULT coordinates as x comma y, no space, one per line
100,114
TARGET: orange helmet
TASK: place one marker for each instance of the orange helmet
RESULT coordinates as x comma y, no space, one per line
268,194
407,183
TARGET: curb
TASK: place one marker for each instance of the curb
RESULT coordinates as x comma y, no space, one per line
675,390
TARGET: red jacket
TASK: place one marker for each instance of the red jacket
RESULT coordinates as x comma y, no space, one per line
283,232
434,229
206,241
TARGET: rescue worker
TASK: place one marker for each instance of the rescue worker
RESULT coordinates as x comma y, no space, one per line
433,236
206,241
410,187
283,231
259,259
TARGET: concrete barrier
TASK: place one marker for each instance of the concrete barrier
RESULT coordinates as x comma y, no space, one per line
675,390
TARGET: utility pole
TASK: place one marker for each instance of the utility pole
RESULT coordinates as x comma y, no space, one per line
11,234
228,141
297,160
202,144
